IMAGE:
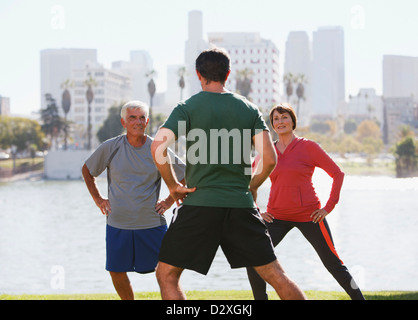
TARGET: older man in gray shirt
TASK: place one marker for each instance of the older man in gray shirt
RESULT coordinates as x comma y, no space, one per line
135,220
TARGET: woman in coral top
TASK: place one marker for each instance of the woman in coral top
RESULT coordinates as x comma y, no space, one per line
294,203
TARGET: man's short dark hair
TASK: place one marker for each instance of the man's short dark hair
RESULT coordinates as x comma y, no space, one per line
213,64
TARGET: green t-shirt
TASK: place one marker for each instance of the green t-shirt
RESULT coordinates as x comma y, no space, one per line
219,128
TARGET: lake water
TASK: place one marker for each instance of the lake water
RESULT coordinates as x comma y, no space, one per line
52,240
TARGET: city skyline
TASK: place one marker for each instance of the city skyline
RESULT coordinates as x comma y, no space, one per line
372,29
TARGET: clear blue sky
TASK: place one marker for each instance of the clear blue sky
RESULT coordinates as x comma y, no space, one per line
372,28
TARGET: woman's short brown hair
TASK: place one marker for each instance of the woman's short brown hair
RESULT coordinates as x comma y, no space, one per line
282,108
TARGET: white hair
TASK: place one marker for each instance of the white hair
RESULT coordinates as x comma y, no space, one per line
134,104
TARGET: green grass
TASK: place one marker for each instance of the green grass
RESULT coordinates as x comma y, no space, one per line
219,295
8,164
378,168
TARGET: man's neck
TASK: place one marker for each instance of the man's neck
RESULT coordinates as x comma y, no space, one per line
136,141
215,87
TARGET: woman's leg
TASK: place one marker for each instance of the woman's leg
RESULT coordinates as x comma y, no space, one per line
277,229
319,236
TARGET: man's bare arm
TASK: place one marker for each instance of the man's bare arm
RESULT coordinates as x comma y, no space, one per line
101,202
268,158
159,146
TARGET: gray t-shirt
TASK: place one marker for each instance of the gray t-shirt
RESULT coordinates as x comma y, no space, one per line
133,182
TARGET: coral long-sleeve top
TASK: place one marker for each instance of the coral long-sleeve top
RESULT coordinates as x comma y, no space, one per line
292,195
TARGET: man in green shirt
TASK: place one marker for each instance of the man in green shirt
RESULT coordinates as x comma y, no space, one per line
218,208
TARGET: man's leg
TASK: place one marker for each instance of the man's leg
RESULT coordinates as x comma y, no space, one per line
168,278
122,285
274,274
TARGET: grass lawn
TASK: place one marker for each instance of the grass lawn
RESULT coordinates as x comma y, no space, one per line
220,295
363,169
8,164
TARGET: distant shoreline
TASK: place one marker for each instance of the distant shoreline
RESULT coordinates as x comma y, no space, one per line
363,169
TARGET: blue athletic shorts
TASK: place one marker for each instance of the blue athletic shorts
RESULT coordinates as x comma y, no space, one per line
133,250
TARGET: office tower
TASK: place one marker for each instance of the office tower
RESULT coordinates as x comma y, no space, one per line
400,93
110,88
195,44
400,76
4,106
258,58
328,77
298,63
366,105
398,112
137,68
56,68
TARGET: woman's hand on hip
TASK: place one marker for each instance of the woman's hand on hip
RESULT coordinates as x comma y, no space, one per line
267,217
319,215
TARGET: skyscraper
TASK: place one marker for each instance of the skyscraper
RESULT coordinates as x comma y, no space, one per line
78,65
57,66
328,77
400,76
4,106
298,62
195,44
256,57
110,88
139,65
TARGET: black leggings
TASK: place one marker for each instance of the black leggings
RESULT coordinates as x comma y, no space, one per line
319,236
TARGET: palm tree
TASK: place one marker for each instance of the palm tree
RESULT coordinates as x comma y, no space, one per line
151,90
89,96
243,84
300,90
66,105
181,73
51,121
288,79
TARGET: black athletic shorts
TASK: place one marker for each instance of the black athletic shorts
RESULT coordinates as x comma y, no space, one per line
196,233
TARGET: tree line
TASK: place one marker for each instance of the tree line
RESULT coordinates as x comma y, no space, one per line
366,139
359,138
